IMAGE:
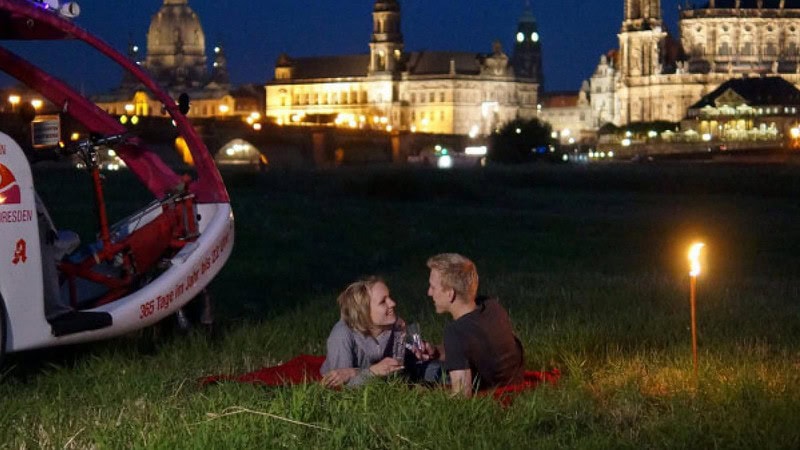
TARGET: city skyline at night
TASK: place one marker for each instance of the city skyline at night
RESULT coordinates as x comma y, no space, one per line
574,33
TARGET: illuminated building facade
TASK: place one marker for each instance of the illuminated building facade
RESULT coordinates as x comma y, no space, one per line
653,77
176,57
392,89
570,116
747,109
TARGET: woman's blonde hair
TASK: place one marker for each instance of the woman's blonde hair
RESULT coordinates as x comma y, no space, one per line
354,304
458,273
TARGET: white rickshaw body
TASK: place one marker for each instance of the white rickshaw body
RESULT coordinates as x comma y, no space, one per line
21,258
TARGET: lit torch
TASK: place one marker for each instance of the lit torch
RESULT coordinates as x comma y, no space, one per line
694,260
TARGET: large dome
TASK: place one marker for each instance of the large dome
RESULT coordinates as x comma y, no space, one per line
176,46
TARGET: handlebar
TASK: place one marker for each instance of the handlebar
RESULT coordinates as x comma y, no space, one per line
85,146
111,139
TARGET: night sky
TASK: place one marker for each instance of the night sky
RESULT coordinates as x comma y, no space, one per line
574,33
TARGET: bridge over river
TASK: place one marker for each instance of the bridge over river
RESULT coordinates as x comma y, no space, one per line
280,146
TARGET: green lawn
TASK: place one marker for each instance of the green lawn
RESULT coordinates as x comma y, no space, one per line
589,260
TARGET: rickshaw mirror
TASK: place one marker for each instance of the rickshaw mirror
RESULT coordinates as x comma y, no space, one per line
183,103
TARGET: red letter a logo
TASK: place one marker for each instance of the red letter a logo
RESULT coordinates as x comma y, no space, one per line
20,255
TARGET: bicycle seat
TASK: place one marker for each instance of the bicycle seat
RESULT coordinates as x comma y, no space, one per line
66,242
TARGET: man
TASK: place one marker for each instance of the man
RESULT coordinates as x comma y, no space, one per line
480,350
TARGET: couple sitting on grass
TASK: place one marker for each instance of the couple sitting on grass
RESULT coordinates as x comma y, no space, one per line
479,352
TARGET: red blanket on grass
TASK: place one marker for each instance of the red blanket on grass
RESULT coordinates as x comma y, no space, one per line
305,368
301,369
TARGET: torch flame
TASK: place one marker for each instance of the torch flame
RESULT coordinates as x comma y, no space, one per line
694,258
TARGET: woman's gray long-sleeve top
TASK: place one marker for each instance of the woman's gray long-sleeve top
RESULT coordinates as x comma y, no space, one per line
349,348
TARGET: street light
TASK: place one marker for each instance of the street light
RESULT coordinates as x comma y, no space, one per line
14,100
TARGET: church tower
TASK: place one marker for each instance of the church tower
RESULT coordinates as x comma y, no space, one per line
129,81
386,46
527,57
219,71
640,38
642,13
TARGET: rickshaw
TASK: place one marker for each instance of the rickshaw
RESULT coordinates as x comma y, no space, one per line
139,270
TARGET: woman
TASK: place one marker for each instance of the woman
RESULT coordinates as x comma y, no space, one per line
364,342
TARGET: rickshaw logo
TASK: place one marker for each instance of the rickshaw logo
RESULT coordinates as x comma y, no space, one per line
20,252
9,189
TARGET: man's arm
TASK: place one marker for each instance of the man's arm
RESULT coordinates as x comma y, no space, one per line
461,382
457,364
439,350
429,352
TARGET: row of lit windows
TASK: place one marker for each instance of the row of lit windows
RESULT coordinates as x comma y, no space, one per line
776,110
330,98
361,97
429,98
770,28
748,49
556,114
773,110
426,116
441,97
746,110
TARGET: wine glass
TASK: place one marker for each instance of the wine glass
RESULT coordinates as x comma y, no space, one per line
413,337
399,349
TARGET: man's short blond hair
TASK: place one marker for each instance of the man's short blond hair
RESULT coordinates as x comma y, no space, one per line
458,273
354,304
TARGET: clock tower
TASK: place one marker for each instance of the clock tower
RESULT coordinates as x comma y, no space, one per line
527,57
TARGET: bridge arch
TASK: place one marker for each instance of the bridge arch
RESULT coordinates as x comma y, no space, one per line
240,152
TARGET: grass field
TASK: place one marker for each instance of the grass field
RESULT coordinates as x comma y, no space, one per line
590,261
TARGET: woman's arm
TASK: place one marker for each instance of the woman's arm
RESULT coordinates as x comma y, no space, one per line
341,361
339,377
340,358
